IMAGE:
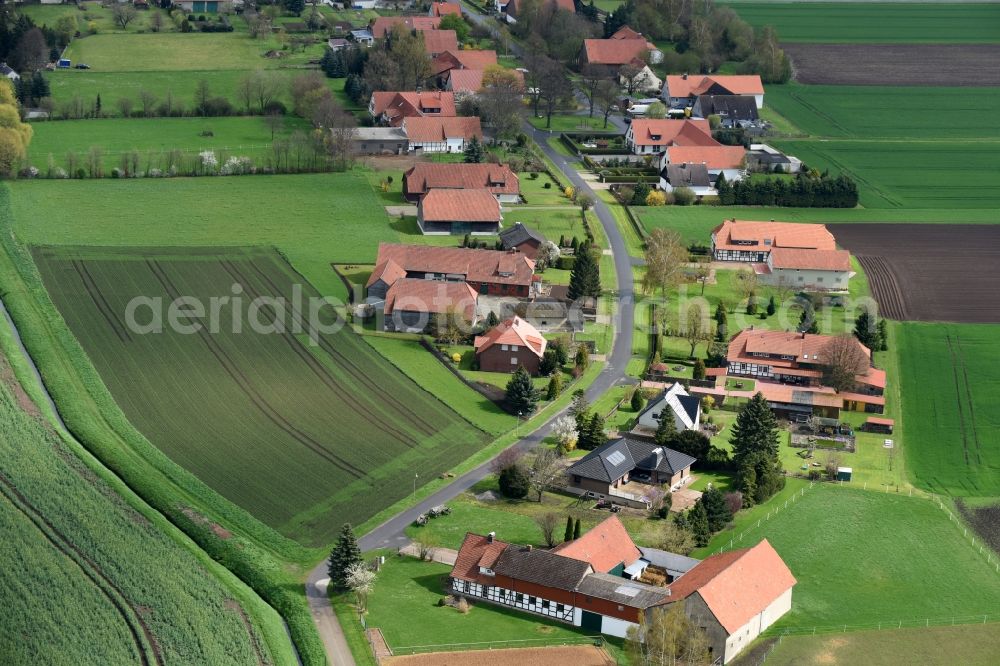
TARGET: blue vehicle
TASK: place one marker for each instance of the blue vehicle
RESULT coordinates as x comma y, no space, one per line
64,63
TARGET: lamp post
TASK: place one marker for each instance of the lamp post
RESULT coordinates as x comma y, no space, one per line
517,428
415,476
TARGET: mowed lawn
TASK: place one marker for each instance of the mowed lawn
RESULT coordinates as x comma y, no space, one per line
167,51
950,380
876,22
304,428
969,645
863,557
404,606
847,112
240,135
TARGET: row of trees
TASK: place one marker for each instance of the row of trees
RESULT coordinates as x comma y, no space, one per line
802,191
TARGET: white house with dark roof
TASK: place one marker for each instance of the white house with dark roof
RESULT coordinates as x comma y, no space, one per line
606,470
674,402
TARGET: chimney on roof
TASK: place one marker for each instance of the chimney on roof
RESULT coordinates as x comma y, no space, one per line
803,335
529,548
490,537
685,76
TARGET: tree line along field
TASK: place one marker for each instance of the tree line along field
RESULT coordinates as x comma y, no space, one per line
950,388
303,437
77,582
876,22
886,112
239,135
863,557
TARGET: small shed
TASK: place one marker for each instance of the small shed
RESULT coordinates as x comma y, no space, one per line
844,473
876,424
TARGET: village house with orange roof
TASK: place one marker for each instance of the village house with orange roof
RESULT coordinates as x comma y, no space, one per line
510,345
683,89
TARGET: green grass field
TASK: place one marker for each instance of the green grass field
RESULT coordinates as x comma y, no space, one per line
240,135
851,112
229,404
949,386
874,21
970,645
863,557
77,581
176,52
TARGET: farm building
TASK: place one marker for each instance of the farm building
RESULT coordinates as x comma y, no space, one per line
625,47
521,238
731,109
598,582
445,9
453,59
878,424
624,466
413,305
674,402
815,270
441,135
737,240
497,178
510,345
381,26
380,140
475,212
199,6
487,271
390,108
692,176
682,90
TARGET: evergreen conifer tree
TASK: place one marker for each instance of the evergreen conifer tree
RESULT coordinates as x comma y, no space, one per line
344,555
474,153
568,536
638,401
555,387
521,395
772,307
755,431
716,509
666,429
576,529
698,519
699,369
883,335
585,279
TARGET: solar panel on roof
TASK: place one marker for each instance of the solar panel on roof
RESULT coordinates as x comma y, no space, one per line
616,458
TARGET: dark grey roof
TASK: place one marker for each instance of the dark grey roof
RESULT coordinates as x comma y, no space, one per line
602,464
736,107
517,234
608,462
673,563
686,175
540,567
621,590
690,403
5,69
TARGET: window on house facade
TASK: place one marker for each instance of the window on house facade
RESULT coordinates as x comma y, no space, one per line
819,279
532,601
513,348
559,608
519,598
545,604
513,360
503,347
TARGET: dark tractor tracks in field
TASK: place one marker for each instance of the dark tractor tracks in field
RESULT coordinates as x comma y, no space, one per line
145,642
884,287
966,405
100,302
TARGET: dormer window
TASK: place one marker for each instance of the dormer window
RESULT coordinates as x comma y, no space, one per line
486,571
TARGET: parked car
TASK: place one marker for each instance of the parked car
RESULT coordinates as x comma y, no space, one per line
82,65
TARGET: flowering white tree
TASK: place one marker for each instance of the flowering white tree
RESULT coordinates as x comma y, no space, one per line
564,430
236,166
209,162
361,580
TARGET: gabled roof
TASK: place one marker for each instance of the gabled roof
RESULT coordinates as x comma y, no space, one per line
431,297
424,176
399,105
691,86
541,567
444,205
801,347
439,41
474,264
605,546
680,403
465,80
476,551
713,157
565,5
768,235
383,24
514,331
435,128
609,462
446,8
388,271
740,107
815,260
687,175
515,235
672,563
626,32
621,591
736,585
614,51
454,58
660,132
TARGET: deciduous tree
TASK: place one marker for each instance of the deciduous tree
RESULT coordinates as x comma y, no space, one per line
843,359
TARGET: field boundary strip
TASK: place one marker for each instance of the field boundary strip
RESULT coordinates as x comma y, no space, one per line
884,286
886,625
496,645
141,634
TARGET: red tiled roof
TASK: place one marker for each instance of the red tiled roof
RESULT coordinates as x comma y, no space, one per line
803,347
439,41
605,546
387,271
383,24
431,297
692,86
424,176
626,32
863,398
465,80
476,551
875,420
446,8
815,260
476,265
433,128
713,157
454,58
779,234
446,205
660,132
399,105
874,377
514,331
736,585
614,51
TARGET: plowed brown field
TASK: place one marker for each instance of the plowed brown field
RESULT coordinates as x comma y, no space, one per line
896,64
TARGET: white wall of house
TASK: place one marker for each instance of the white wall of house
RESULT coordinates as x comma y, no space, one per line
742,637
759,99
706,191
615,627
807,279
668,404
509,198
450,145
